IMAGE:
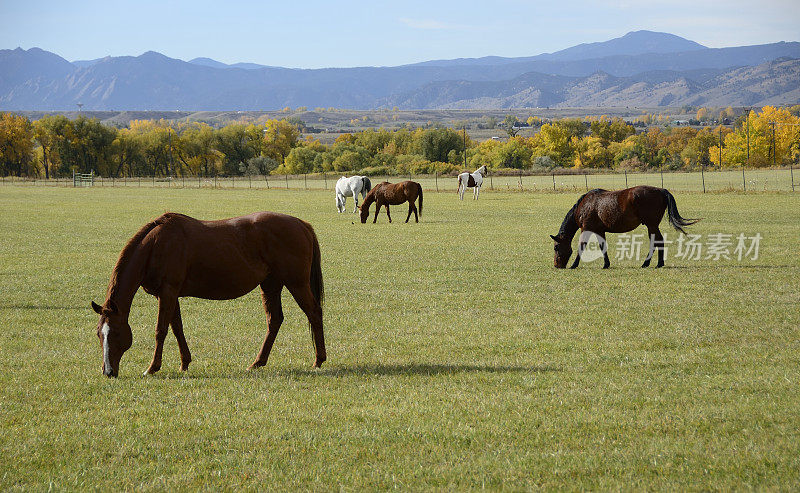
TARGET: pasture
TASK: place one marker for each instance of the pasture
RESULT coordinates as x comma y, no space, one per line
458,357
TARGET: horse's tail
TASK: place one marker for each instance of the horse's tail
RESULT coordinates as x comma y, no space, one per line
317,284
675,218
458,188
420,198
366,186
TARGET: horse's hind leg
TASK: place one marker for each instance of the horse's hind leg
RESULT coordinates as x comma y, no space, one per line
411,208
604,246
177,329
311,307
271,297
656,242
387,213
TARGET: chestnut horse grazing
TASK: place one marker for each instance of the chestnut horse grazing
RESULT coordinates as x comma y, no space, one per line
600,212
386,194
176,255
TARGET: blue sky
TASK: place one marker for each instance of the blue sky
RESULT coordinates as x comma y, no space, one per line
347,33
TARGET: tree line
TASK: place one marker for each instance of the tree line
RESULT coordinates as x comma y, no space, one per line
57,146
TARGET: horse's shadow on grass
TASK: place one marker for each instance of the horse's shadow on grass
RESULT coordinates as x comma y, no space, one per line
365,371
412,369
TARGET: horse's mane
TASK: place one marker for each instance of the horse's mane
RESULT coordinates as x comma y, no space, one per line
370,198
129,249
570,224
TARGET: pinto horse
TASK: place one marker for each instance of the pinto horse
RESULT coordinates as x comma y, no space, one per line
386,194
600,212
176,255
351,187
471,180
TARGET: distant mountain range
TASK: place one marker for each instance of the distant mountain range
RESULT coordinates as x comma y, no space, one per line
642,68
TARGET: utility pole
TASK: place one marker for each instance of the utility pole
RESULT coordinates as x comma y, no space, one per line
748,136
773,143
465,147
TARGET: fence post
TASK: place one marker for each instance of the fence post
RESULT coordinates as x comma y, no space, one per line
554,181
154,179
626,178
287,181
586,180
520,180
661,170
215,181
791,174
233,181
305,181
250,180
436,175
491,183
325,177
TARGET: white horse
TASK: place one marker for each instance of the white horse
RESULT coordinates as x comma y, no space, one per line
471,180
351,187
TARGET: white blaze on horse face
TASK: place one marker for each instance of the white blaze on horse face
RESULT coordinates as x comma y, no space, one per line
106,359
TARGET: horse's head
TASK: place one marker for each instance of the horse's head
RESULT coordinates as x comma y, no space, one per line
563,250
483,170
364,211
115,336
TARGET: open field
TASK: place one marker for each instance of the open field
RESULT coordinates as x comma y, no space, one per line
459,358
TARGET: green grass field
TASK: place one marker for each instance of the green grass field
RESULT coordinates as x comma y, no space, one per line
458,357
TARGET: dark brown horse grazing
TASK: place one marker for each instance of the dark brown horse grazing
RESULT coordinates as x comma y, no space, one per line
601,212
386,194
176,255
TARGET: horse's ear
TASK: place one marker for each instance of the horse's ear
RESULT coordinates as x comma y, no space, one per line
555,238
97,308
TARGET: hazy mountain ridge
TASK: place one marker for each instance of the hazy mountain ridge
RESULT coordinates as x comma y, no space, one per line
776,82
626,74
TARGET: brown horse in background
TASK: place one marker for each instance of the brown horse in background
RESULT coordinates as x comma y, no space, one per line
386,194
176,255
601,212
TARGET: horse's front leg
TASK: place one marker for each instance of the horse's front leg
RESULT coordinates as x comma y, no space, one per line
387,213
377,210
581,246
177,329
355,200
167,302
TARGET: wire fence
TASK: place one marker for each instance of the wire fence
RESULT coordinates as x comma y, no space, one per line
779,179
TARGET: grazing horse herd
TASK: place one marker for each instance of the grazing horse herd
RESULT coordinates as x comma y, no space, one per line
175,256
